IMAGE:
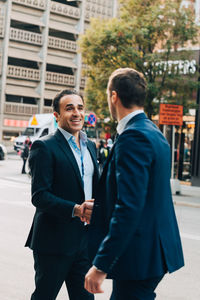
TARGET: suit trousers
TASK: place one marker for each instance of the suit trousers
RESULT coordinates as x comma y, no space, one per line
135,289
51,271
24,166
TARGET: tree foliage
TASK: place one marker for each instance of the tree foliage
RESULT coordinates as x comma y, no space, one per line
147,36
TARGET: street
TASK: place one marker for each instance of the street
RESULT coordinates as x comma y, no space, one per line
16,264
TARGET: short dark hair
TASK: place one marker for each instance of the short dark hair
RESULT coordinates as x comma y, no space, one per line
130,86
56,100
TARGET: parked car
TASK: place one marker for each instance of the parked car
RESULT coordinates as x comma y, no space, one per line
3,152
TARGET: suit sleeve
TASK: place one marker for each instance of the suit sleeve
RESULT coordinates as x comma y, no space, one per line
133,156
41,164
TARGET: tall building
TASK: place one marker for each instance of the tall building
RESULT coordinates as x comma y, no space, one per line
38,54
195,5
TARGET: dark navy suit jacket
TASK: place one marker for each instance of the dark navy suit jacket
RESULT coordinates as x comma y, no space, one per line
56,187
133,225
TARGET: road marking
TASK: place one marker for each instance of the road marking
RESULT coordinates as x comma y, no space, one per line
190,236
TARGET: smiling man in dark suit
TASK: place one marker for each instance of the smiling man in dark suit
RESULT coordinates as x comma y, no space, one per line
134,237
64,175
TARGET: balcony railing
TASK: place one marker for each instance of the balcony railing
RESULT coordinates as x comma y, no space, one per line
83,81
36,38
47,109
65,10
25,36
39,4
33,74
20,109
102,11
23,73
58,78
62,44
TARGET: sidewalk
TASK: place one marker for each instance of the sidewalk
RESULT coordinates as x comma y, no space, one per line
10,169
190,196
10,149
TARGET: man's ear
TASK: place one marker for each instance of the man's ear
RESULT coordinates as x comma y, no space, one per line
114,97
56,115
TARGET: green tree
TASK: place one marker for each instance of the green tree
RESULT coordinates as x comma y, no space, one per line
146,36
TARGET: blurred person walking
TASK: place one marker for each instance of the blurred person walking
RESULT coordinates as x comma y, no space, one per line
64,175
134,236
102,154
24,155
109,145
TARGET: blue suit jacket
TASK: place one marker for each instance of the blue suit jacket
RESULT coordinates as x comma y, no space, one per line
134,233
56,187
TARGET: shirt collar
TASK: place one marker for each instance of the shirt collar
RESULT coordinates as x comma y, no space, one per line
68,136
123,122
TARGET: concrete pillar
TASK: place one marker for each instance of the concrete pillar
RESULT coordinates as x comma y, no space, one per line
7,14
81,26
43,55
115,8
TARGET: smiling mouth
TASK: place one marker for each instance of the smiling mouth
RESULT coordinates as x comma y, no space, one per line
76,121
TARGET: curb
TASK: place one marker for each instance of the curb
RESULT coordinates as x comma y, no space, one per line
182,203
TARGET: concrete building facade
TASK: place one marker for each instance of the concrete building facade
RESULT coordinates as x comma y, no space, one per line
38,54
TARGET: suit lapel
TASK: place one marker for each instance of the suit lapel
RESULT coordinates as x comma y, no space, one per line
92,151
134,119
130,122
68,152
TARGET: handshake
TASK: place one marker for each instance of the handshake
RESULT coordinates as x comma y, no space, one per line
84,210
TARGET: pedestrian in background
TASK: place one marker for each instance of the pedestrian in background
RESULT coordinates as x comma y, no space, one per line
102,154
134,236
24,155
109,144
64,176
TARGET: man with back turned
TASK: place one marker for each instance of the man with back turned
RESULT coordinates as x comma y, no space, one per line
134,237
64,175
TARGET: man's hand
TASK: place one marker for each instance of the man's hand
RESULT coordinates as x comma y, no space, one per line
84,211
93,280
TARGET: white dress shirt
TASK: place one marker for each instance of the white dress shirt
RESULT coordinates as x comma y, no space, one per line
123,122
83,159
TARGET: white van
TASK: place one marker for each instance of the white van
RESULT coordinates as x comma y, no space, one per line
38,126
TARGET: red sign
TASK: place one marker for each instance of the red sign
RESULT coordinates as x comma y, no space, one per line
15,123
171,114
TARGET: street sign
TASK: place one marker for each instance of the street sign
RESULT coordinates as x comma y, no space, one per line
171,114
92,119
